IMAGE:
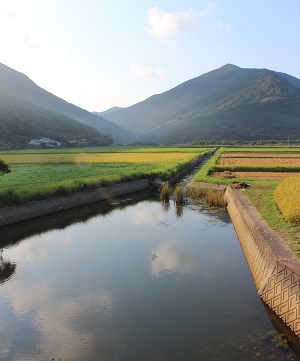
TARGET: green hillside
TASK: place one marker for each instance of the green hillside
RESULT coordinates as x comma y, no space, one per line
28,111
227,103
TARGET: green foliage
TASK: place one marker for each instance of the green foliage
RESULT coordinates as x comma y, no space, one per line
4,168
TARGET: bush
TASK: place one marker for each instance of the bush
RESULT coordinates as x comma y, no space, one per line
287,198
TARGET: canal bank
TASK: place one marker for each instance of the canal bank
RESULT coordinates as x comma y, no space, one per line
274,267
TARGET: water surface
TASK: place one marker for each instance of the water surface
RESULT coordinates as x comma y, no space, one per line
141,282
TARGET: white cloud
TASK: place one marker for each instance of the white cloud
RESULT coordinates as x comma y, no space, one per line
145,71
219,28
163,26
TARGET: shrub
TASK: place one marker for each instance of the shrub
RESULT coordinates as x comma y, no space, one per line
287,198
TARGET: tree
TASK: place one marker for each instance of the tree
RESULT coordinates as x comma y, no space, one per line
4,168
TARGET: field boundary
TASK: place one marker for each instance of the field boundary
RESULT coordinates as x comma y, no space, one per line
274,267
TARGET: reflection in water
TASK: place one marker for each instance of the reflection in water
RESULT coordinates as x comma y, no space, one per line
179,211
134,283
169,257
7,269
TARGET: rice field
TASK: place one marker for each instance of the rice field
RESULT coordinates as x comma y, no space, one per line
279,160
41,174
287,197
78,158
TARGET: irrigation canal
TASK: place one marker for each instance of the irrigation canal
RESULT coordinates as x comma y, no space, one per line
136,280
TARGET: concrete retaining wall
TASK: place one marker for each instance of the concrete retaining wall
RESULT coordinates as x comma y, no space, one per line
13,214
274,267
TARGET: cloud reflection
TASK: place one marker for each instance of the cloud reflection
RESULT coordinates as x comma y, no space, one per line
69,327
169,257
143,216
78,323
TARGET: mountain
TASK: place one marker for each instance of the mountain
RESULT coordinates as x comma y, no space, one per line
110,110
227,103
25,106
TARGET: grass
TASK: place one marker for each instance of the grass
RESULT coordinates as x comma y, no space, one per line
37,175
260,193
211,197
165,192
265,149
178,195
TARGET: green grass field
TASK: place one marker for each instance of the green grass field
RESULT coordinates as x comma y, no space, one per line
42,174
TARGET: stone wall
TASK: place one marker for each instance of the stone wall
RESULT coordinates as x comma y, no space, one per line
274,267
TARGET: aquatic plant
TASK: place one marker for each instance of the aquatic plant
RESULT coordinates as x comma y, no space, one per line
165,191
178,196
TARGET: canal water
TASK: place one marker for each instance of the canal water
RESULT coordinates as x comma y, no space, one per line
132,281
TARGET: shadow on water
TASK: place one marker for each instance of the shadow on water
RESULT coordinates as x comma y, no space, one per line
11,234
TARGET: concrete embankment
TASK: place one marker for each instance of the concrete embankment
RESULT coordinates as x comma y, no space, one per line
274,267
13,214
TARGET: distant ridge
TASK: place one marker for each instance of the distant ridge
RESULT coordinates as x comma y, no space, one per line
17,91
110,110
226,103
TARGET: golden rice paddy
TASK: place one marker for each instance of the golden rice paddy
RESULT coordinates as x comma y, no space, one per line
96,158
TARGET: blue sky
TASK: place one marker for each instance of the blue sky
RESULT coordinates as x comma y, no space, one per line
99,53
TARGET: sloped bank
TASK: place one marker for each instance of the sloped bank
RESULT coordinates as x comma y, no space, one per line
274,267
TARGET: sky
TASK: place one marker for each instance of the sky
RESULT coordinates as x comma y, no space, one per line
98,54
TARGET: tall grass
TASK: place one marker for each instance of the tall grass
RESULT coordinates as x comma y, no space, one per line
287,197
165,192
178,195
211,197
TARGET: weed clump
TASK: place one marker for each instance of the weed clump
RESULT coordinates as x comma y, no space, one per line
165,191
178,196
210,196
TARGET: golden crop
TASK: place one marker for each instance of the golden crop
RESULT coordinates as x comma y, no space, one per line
287,197
96,158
